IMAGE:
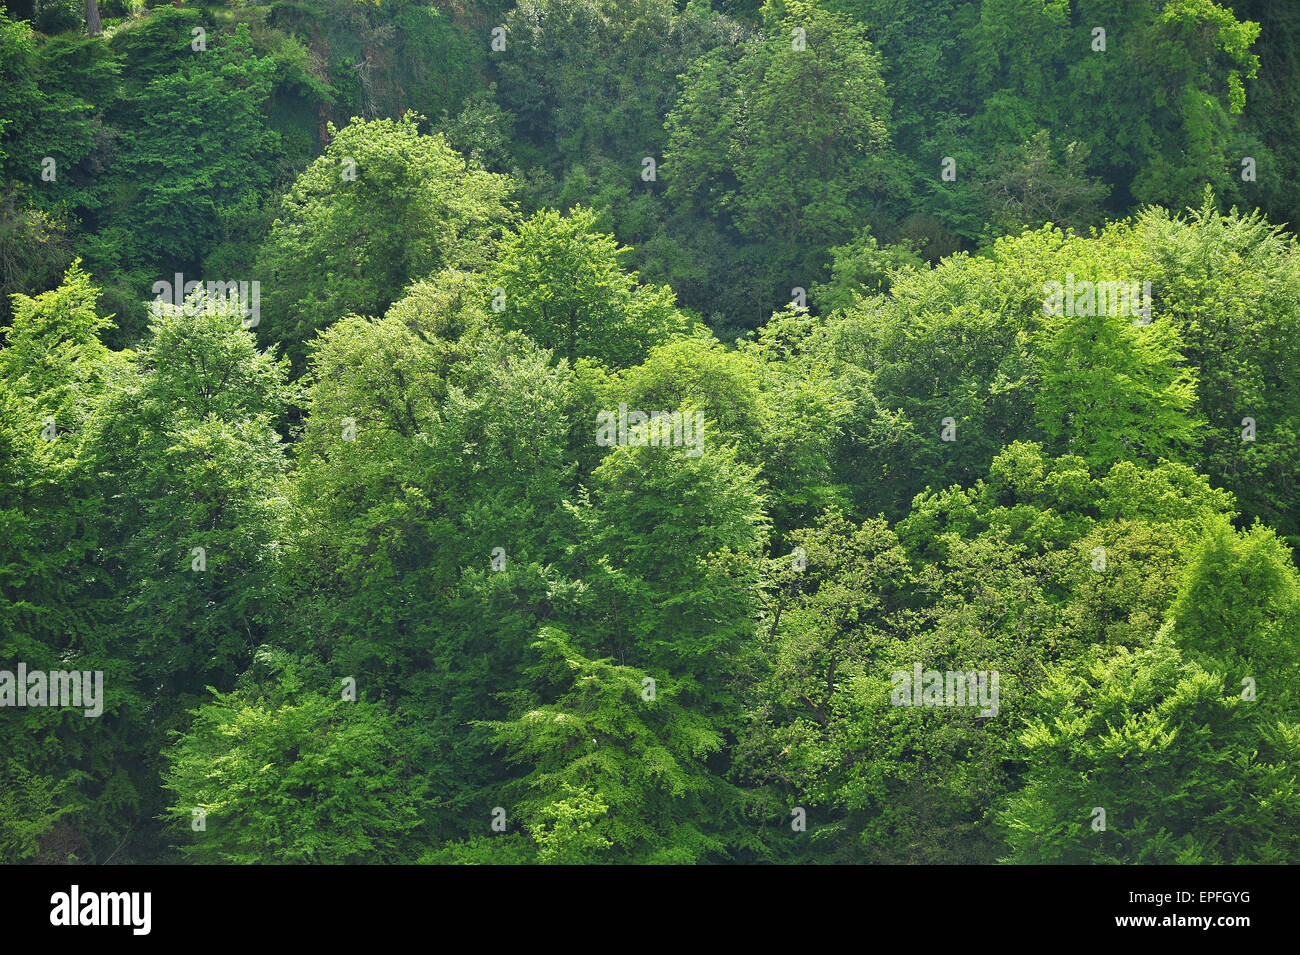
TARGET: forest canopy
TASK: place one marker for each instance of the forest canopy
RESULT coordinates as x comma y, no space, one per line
641,431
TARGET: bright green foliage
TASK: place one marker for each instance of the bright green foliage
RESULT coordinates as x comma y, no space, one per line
1240,603
514,848
29,809
562,284
780,409
1186,770
39,619
53,351
861,267
382,207
433,441
292,773
946,343
971,340
189,456
1230,284
1111,387
1002,577
615,776
674,602
70,783
808,408
400,595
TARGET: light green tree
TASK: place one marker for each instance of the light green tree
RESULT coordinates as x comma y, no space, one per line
382,207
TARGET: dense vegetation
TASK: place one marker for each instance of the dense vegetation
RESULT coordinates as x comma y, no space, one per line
370,555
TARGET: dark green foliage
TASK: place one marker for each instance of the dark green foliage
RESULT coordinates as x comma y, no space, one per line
197,172
782,144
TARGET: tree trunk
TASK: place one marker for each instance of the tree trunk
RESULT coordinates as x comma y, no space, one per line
93,26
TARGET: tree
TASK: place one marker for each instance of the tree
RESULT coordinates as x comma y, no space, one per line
187,449
783,141
586,80
1239,604
34,249
772,397
384,206
862,267
428,523
1033,184
283,772
1182,768
1226,281
1023,572
191,176
617,773
1189,59
72,786
991,343
1112,388
562,283
674,600
53,352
